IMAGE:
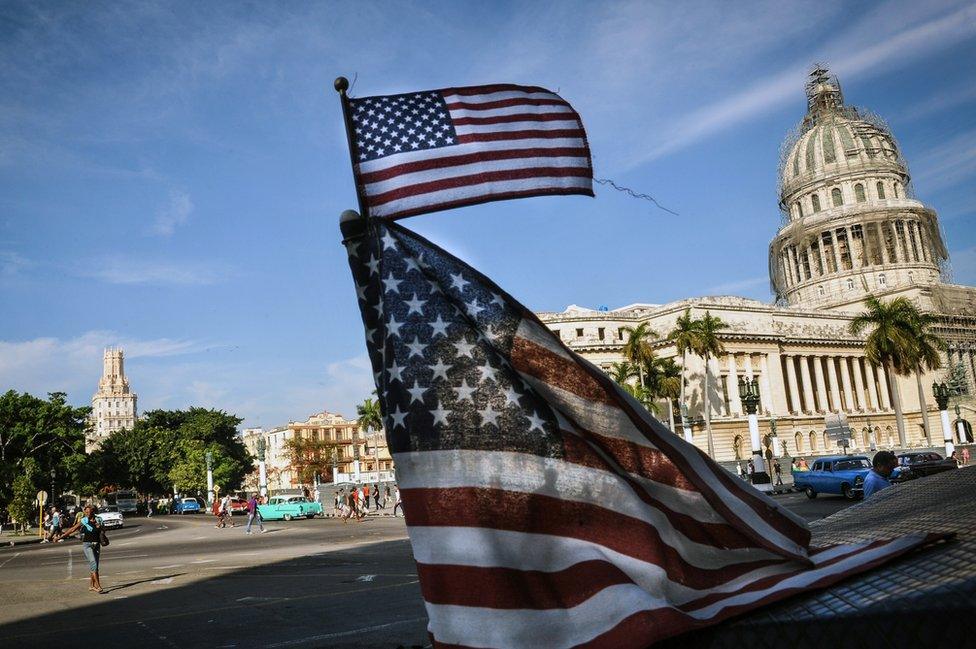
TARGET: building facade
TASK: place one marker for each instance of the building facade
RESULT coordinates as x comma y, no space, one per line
851,227
114,405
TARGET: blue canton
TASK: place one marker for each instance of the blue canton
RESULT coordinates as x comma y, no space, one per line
396,123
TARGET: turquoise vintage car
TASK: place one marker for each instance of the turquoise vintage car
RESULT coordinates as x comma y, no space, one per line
289,507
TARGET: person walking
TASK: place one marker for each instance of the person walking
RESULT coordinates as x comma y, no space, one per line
965,455
376,496
883,463
253,513
386,496
365,499
397,503
778,470
92,538
352,506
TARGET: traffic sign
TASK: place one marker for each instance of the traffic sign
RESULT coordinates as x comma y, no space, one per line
42,497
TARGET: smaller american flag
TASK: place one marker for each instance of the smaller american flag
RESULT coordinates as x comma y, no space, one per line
427,151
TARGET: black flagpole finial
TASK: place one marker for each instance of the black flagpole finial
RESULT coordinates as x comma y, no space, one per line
341,85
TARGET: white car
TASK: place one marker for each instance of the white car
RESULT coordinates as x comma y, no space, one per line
111,517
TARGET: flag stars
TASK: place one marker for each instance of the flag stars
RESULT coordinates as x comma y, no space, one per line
439,327
536,422
374,265
489,416
416,348
473,309
394,373
441,369
465,391
440,414
458,281
416,305
389,241
417,393
398,417
393,327
391,283
464,348
511,397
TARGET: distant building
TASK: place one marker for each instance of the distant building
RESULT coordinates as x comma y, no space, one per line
114,405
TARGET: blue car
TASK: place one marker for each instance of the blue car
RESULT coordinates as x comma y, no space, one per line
840,474
186,506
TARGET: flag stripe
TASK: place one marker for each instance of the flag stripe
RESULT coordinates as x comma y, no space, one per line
562,125
498,91
521,135
487,148
499,192
428,163
503,103
516,117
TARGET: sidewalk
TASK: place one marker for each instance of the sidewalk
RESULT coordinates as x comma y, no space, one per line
7,538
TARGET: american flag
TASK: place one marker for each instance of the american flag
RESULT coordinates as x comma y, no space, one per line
426,151
545,507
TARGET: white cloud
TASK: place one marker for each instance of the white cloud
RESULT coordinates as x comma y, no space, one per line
174,214
129,270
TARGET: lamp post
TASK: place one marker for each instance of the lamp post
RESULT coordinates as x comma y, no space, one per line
209,457
942,393
262,468
960,426
686,424
749,395
53,499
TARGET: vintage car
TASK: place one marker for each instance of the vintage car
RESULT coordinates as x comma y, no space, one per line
238,506
187,506
920,464
110,516
289,507
838,474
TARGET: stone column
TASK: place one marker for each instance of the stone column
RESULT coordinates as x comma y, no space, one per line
794,397
922,242
747,365
883,388
818,375
732,382
807,385
834,385
872,384
823,255
845,379
836,247
859,384
772,374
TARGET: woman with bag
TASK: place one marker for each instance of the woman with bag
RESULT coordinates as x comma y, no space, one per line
92,539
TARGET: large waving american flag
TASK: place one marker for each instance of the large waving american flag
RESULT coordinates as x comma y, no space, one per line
545,507
427,151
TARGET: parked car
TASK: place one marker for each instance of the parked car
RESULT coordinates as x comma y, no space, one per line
238,506
839,474
289,507
917,465
110,516
187,506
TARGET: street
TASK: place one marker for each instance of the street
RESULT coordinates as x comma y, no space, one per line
176,581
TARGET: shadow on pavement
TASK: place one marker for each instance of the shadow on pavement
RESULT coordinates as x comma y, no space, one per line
367,596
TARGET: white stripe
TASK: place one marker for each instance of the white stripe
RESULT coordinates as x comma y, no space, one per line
552,477
468,148
500,95
605,610
430,175
603,419
485,190
509,110
505,127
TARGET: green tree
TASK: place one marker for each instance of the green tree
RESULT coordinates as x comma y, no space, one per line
708,327
637,348
21,506
685,339
926,355
622,372
664,379
309,457
890,344
370,417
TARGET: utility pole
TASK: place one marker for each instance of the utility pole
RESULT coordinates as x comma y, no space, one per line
209,457
749,395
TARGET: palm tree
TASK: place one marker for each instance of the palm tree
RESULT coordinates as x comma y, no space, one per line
890,344
370,419
622,372
664,378
709,345
685,339
637,350
926,355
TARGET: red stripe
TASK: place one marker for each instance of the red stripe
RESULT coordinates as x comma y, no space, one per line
537,514
496,87
555,134
632,458
505,103
556,370
482,156
487,198
478,179
522,117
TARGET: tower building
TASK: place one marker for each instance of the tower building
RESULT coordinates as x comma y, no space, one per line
114,405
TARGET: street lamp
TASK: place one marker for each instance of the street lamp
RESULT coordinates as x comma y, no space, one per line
262,468
686,423
209,457
53,474
749,395
942,394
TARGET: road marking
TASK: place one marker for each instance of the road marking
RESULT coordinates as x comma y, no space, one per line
126,543
260,599
365,577
329,636
197,538
70,562
9,560
204,561
175,565
127,556
167,580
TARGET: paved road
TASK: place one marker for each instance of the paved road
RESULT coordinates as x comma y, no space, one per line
178,582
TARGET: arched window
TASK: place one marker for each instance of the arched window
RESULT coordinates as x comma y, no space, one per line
866,437
737,447
897,190
798,441
850,284
828,147
826,441
859,193
836,197
813,441
882,280
881,193
816,203
799,208
821,291
888,436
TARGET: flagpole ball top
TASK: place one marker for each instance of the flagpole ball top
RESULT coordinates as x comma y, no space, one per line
349,215
341,84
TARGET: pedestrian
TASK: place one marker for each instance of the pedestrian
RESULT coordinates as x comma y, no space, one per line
365,498
252,513
792,465
316,494
386,496
92,539
305,492
884,462
376,495
224,514
149,507
779,471
752,469
396,499
352,506
965,455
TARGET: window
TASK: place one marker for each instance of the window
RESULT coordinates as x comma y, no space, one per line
836,197
817,260
813,441
821,291
810,145
579,333
600,333
911,278
850,284
840,234
882,280
799,208
859,193
827,242
881,192
828,147
816,203
620,333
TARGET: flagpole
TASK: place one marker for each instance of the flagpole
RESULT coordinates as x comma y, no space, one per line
342,85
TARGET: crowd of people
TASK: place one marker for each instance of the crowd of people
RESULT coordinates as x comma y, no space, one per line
355,503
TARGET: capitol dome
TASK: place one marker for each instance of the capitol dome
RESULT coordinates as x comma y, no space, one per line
851,224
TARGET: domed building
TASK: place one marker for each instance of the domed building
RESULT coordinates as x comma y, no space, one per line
851,227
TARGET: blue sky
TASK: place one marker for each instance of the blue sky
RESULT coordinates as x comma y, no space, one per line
171,174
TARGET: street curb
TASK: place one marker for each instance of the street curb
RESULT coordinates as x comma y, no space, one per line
15,542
